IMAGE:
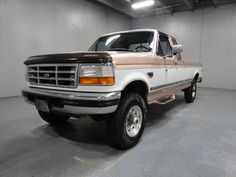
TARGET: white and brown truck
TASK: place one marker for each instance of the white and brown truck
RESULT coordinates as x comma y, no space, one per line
120,75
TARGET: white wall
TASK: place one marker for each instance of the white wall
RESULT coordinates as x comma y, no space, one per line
31,27
208,35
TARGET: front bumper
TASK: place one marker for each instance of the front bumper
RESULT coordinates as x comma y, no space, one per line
74,103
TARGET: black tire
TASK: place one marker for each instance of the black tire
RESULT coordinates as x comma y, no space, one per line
190,93
118,132
53,119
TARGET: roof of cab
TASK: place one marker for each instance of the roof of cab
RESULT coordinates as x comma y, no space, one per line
137,30
130,31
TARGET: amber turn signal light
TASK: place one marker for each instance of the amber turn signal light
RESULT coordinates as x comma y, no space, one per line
96,80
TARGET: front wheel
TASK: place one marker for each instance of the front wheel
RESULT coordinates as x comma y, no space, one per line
190,93
126,127
53,119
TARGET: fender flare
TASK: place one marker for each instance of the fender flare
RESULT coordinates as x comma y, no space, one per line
196,73
136,76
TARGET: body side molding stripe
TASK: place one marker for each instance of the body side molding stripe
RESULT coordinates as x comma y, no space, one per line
170,84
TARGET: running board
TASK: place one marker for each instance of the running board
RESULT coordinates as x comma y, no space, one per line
165,101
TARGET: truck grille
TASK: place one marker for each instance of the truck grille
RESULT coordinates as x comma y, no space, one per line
55,75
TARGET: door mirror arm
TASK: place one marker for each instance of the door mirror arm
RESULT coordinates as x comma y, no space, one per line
168,55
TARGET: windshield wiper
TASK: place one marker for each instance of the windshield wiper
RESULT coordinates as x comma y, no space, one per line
121,49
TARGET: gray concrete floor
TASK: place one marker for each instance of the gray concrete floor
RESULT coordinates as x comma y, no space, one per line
180,140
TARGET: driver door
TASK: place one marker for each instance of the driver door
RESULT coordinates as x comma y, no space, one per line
165,50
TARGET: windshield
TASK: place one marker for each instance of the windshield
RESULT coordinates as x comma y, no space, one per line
132,41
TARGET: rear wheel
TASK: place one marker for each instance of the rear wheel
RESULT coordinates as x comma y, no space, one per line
53,119
126,127
190,92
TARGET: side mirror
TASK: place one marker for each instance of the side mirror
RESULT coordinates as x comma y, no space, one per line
177,49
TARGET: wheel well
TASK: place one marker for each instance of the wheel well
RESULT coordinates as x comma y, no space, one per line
139,87
196,77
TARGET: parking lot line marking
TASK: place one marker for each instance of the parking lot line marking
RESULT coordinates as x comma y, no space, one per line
114,162
83,161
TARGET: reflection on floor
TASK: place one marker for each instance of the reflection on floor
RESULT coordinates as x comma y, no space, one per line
180,139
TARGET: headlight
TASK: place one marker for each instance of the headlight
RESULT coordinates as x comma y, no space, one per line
96,74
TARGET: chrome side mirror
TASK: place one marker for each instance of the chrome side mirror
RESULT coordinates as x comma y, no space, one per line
177,49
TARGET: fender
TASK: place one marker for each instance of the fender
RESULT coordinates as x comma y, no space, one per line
199,72
131,77
195,73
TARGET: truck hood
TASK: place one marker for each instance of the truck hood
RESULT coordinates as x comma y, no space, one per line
75,57
132,58
92,57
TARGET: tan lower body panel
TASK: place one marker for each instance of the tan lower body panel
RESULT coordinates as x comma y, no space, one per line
165,92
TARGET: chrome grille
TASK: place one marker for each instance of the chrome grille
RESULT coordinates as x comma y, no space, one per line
55,75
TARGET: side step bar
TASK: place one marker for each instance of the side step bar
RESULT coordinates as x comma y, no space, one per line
165,101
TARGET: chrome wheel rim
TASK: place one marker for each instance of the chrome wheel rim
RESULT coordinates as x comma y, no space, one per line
194,90
134,120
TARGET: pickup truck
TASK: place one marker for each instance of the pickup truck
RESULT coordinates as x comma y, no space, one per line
115,80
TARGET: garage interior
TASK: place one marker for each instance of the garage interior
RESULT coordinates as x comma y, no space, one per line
180,139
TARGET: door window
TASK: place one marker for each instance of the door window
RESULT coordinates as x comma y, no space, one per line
164,48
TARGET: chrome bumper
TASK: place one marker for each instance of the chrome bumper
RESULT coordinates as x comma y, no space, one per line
74,103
